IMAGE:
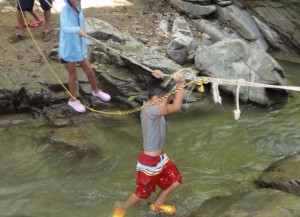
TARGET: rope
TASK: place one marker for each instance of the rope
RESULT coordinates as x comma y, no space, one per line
125,112
237,112
188,73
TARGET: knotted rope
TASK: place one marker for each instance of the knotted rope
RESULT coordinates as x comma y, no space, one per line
188,73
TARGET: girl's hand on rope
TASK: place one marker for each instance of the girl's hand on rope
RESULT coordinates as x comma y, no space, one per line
178,77
81,33
158,73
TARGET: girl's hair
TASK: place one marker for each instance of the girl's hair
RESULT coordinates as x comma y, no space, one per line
156,89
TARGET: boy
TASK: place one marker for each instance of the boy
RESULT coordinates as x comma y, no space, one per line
153,166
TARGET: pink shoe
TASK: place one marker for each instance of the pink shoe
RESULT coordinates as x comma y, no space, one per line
38,23
18,26
101,95
76,105
33,25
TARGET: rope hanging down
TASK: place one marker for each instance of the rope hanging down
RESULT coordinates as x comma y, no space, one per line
188,73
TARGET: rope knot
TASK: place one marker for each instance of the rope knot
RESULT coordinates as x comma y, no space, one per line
241,81
200,86
237,114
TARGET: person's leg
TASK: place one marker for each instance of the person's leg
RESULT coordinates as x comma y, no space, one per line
163,195
73,101
47,15
132,200
71,67
22,6
121,207
90,74
92,79
35,15
169,180
37,21
21,23
46,6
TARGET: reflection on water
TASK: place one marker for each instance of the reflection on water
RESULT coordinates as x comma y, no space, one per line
216,155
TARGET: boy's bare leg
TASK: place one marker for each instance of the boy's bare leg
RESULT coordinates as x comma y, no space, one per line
47,15
165,193
132,199
35,16
21,23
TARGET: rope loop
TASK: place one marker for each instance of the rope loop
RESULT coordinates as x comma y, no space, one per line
200,86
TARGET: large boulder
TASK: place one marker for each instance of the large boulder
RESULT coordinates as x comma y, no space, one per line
236,59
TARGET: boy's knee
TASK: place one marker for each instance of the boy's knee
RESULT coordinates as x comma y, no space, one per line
176,184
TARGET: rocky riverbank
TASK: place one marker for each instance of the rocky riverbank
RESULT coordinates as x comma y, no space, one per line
222,41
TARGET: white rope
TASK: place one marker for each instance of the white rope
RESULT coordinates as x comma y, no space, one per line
216,93
191,74
250,84
237,112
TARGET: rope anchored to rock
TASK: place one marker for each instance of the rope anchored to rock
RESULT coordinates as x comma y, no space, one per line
189,74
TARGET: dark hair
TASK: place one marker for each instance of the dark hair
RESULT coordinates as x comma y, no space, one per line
155,88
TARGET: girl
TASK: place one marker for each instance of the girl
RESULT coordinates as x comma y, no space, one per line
73,48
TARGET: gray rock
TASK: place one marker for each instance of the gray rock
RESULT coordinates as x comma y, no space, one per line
239,20
210,28
260,203
194,10
282,16
179,47
235,59
283,175
69,137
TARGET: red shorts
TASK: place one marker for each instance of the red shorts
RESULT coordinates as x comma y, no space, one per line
146,182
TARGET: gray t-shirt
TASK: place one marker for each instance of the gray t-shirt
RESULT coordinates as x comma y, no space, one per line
153,127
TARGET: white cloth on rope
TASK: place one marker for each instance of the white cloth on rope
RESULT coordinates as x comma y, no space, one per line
237,112
216,93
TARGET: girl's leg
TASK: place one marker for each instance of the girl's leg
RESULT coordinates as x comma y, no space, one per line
92,79
71,67
90,74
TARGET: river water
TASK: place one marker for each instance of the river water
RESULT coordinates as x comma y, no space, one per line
216,155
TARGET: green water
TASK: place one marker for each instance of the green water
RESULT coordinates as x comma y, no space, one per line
216,155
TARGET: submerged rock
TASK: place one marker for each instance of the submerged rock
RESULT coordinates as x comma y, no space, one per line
260,203
71,138
283,175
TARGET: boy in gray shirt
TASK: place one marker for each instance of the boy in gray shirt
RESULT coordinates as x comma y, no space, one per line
154,168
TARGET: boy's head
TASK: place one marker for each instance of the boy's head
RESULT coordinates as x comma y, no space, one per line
156,89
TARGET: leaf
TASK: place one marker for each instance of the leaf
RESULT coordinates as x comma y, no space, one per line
131,98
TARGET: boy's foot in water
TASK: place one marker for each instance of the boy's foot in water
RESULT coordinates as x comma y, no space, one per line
167,209
118,212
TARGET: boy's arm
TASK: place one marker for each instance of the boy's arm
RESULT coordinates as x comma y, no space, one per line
177,102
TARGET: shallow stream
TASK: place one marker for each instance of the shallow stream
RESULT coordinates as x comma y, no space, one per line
216,155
